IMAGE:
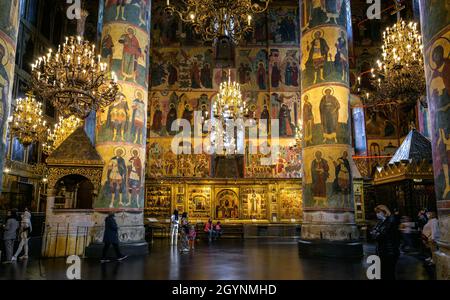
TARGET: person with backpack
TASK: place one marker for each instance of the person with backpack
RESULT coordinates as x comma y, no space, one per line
10,234
24,235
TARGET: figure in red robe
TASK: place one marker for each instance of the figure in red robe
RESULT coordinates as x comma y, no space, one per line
131,53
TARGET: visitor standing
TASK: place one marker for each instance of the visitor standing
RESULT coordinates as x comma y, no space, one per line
10,234
192,236
111,237
174,221
386,235
24,235
430,234
184,232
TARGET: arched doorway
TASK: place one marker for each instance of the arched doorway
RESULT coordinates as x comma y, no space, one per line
74,192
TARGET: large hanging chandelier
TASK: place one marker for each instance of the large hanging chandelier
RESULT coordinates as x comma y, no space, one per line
61,131
228,111
213,19
74,79
399,75
26,123
228,102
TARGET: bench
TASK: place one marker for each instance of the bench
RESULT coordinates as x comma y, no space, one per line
231,231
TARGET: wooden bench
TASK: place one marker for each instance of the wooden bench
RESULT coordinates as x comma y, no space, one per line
231,231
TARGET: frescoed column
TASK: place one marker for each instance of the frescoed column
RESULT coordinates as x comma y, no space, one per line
329,227
9,27
435,20
121,128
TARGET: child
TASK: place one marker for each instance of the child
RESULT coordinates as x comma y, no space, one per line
191,236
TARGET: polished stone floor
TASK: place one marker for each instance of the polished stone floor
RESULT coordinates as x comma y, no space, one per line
222,260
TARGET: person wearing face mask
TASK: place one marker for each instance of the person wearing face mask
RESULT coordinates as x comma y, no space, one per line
386,235
430,234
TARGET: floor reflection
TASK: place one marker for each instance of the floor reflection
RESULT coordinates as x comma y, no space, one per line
221,260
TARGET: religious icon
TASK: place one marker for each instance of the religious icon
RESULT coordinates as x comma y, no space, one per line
195,75
117,120
157,118
108,46
4,80
131,53
343,178
120,7
340,60
227,205
445,140
138,117
318,55
261,76
286,127
319,174
308,120
134,177
329,115
206,76
117,176
171,117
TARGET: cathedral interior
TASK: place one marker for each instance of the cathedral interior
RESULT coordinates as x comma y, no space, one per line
330,128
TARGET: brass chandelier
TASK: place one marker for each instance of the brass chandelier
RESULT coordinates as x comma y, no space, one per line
213,19
228,111
61,131
74,79
229,103
26,122
399,75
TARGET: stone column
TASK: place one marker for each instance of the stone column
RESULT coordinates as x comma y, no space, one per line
329,227
9,27
121,128
435,20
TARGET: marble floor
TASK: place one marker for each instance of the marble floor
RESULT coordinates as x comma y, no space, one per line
223,260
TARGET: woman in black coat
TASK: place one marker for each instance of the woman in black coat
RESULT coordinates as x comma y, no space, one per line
111,237
388,243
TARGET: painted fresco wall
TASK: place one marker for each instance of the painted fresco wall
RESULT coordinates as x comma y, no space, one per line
121,128
9,26
184,79
435,16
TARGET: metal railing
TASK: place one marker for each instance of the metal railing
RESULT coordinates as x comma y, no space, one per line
64,239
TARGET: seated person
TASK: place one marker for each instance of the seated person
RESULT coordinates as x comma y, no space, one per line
218,231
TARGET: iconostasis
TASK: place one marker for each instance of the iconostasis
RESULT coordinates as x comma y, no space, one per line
241,200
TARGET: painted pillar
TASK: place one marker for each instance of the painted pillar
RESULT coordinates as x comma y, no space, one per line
121,128
435,20
9,27
328,217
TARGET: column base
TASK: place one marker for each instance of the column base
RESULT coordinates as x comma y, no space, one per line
442,261
95,250
332,249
